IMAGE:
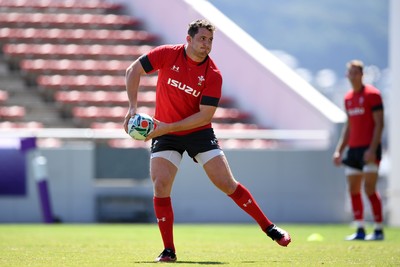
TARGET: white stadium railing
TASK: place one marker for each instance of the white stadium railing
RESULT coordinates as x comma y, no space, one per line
312,138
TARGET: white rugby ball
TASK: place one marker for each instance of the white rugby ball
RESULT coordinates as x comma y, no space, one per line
140,126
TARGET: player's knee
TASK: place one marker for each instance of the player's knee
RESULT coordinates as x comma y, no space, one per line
369,189
162,183
227,186
354,190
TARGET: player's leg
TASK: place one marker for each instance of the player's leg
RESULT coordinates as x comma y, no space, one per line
218,171
163,173
355,179
371,180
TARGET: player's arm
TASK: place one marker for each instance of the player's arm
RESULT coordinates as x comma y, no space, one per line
376,137
341,145
203,117
132,79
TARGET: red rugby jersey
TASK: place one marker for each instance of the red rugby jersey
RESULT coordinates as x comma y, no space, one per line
183,85
359,107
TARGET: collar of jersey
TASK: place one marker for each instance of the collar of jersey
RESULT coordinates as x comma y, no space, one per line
191,61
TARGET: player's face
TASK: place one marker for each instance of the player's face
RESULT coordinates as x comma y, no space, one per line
201,43
354,74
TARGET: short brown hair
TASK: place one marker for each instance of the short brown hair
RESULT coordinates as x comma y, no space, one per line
200,23
355,63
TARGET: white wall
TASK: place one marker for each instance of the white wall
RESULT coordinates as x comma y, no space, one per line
70,185
260,83
394,109
289,185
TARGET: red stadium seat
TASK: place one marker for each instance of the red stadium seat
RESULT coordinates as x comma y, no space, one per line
87,115
128,143
230,115
67,66
100,98
80,36
29,124
3,96
97,6
12,112
74,51
85,82
235,126
217,126
95,113
106,125
65,20
105,21
247,144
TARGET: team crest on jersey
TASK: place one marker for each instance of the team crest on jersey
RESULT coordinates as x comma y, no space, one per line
348,103
175,68
361,100
201,80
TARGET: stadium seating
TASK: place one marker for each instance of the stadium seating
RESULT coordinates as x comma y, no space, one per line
73,51
65,20
92,6
247,144
216,125
12,113
83,116
16,125
78,36
50,84
76,53
117,113
34,67
101,98
3,96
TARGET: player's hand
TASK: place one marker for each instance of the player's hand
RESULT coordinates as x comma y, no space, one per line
337,159
160,128
369,156
131,113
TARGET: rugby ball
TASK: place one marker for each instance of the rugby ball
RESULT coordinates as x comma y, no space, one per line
140,126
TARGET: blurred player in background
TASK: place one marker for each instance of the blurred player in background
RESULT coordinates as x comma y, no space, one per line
188,91
362,136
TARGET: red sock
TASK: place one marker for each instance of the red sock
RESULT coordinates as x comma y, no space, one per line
356,202
246,202
165,220
376,205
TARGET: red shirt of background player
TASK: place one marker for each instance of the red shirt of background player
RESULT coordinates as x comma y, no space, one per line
359,107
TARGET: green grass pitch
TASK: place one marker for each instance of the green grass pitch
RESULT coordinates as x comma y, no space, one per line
197,245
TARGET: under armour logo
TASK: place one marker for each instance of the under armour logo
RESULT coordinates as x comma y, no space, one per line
175,68
163,219
247,203
155,143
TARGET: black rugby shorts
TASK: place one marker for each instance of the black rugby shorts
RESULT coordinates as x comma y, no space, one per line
355,156
193,143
